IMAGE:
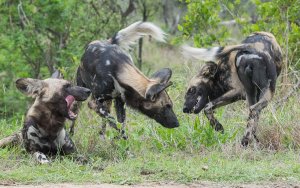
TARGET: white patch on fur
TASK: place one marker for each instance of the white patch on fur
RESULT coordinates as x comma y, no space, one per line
107,63
202,54
40,157
60,140
133,32
94,48
102,49
102,111
246,56
118,89
36,140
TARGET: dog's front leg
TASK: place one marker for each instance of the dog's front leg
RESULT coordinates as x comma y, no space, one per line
121,115
227,98
103,109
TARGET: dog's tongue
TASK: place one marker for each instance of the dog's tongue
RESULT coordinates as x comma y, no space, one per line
69,99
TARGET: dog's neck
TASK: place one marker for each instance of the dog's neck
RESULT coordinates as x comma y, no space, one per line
45,118
220,82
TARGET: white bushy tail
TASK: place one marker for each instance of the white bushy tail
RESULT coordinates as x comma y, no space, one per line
203,54
210,54
132,33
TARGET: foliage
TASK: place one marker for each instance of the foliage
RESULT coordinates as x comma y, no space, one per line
205,22
281,18
40,36
202,22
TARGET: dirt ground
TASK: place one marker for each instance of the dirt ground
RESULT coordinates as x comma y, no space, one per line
156,185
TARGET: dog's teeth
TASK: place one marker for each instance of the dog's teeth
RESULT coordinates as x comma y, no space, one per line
198,100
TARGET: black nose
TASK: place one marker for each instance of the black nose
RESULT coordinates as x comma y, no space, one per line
185,109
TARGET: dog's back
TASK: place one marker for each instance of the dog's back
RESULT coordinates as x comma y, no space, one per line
99,63
266,42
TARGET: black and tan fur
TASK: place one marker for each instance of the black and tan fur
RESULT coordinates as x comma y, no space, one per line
246,71
107,69
43,130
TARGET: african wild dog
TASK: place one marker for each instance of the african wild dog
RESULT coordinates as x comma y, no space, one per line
107,69
248,70
43,131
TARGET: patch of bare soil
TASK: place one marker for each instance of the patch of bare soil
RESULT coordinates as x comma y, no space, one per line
157,185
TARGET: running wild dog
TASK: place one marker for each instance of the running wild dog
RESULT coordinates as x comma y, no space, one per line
108,71
43,131
246,71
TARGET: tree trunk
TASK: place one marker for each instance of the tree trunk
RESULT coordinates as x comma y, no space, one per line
140,50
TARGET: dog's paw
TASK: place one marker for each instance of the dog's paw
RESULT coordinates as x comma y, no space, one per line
219,127
40,158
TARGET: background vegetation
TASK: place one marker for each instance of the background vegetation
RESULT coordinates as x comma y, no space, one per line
38,36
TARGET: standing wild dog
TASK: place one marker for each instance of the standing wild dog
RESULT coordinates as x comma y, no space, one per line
248,70
108,71
43,131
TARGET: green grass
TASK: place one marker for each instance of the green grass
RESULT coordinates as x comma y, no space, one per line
191,153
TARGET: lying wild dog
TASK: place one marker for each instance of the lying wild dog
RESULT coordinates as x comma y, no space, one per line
43,131
248,70
108,71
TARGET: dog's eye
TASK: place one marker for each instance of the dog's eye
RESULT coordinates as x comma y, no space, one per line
192,90
169,106
67,85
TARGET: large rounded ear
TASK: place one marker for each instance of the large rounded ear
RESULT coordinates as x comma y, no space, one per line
209,69
29,86
155,89
57,74
163,75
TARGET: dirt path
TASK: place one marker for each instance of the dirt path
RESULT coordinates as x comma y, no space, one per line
156,185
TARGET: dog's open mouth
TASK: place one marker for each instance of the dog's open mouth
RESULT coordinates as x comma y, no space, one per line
195,109
70,100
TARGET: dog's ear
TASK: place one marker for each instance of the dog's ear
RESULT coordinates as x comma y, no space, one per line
30,87
162,76
57,74
153,91
209,69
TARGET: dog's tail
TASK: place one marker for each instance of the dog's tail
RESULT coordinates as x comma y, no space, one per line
132,33
210,54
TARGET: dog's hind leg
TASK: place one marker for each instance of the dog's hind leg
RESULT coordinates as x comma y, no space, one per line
264,78
229,97
121,115
265,96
